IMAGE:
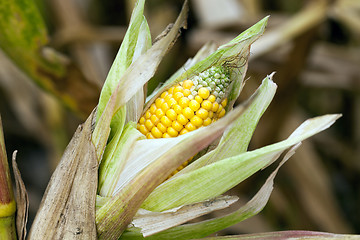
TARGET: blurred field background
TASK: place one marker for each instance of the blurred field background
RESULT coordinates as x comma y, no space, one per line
313,46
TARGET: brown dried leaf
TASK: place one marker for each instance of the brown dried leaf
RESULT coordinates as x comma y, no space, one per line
67,210
22,201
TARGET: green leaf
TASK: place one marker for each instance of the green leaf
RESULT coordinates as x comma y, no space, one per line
23,37
216,178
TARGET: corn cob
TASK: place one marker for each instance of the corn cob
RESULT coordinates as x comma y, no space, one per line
187,106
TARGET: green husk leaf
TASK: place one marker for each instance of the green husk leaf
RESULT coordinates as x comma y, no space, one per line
236,138
214,179
137,40
154,222
204,228
117,213
114,158
133,80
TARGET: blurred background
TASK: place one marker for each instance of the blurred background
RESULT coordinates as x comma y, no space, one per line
313,46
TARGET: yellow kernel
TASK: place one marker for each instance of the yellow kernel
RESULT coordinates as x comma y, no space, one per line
166,121
222,113
171,102
163,95
168,97
182,119
161,127
165,107
183,131
219,109
149,124
156,132
202,113
224,102
142,120
188,112
178,96
187,84
177,126
171,114
154,119
204,93
172,132
178,109
159,113
215,107
150,136
178,89
191,97
152,108
171,90
207,121
190,127
211,114
212,98
196,121
186,92
159,102
198,99
206,104
148,114
184,102
143,129
194,105
166,135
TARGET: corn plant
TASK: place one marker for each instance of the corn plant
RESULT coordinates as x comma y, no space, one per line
143,167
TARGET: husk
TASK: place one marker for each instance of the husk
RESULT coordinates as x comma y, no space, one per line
154,222
204,228
216,178
133,79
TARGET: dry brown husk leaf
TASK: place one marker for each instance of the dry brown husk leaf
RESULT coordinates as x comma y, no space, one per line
22,201
67,210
